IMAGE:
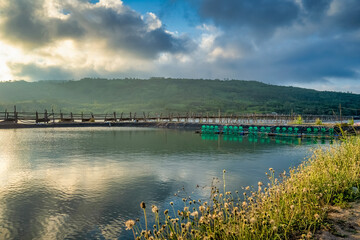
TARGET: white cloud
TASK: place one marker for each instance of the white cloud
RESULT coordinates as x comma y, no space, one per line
153,21
113,4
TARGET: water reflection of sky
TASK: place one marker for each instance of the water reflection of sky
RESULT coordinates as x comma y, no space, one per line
84,183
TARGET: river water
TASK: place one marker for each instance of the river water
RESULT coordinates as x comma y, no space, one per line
84,183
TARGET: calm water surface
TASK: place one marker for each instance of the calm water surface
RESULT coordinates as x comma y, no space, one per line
76,183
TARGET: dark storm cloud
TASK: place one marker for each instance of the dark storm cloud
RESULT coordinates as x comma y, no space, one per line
337,58
348,17
262,17
129,31
315,9
317,39
27,24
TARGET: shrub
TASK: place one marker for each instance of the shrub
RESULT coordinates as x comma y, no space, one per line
351,122
298,120
318,121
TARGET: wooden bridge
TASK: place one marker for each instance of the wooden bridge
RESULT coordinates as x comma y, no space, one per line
189,117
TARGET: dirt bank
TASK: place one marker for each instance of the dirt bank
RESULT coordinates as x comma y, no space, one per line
342,223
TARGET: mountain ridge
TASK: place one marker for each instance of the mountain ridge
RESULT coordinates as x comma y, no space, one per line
165,95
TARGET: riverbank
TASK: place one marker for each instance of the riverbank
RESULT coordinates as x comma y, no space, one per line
296,205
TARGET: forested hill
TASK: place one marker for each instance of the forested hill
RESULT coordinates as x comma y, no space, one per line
172,95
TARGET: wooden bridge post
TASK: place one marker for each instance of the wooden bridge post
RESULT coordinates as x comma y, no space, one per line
6,115
71,117
134,116
121,116
220,121
36,117
144,116
115,117
61,116
46,116
15,115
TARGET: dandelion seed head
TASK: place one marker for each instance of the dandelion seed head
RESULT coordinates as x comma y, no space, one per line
195,214
129,224
154,209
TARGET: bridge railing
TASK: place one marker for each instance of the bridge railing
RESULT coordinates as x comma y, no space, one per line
56,117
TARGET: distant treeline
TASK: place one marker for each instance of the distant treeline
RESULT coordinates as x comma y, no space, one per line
167,95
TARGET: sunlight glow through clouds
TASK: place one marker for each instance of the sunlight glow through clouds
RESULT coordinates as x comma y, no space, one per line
8,53
109,43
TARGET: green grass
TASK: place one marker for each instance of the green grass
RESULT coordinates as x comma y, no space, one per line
295,205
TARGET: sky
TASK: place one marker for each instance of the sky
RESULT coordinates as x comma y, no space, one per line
305,43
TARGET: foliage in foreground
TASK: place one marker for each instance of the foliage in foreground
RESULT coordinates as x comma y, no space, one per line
295,205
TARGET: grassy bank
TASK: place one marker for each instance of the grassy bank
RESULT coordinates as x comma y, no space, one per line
295,205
